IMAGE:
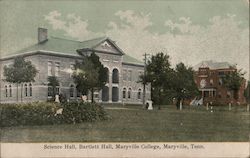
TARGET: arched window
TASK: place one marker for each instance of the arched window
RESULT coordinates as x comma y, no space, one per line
30,85
139,94
50,91
129,93
25,90
71,91
107,70
124,93
6,91
10,90
115,76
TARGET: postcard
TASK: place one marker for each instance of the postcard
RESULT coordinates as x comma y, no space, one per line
124,78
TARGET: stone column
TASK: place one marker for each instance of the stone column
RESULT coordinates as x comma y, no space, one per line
110,86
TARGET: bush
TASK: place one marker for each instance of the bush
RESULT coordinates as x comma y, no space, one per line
77,112
44,113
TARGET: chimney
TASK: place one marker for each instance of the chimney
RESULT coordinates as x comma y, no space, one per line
42,35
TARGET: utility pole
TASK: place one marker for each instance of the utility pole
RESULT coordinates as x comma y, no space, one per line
144,78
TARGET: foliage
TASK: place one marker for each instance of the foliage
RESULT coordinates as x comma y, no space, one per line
233,81
182,83
90,75
75,112
158,69
167,83
247,92
53,83
27,114
20,71
42,113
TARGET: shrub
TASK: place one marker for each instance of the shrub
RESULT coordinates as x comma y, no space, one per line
77,112
41,113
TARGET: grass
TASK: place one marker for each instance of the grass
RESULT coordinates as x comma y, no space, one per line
132,123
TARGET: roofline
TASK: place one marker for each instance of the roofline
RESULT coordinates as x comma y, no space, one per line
132,64
42,52
79,51
111,41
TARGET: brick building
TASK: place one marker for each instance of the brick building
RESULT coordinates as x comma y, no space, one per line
208,77
54,56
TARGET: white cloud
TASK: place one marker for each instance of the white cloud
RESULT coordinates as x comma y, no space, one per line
73,26
223,39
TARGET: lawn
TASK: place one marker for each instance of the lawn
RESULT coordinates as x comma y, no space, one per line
132,123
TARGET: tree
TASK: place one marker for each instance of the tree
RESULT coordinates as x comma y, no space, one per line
247,92
90,75
158,69
19,72
182,82
53,83
233,81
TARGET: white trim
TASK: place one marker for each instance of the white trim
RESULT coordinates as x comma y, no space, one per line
105,60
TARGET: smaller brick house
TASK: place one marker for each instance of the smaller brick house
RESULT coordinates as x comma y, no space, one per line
208,77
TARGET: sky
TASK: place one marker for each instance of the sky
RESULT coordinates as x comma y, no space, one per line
189,31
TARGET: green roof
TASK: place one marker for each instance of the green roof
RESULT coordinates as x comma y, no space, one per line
68,47
131,60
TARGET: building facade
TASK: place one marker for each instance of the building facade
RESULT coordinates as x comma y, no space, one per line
208,78
56,57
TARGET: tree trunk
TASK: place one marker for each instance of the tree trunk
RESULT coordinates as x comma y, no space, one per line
235,94
178,103
21,92
143,99
92,95
159,99
17,92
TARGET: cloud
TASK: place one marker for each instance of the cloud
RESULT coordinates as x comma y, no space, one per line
223,39
73,26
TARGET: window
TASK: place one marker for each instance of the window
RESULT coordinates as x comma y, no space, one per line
139,94
30,85
71,91
124,75
124,91
6,91
221,73
25,90
57,68
10,90
129,75
49,68
72,69
115,76
96,95
140,74
228,94
220,81
78,94
211,82
50,91
57,90
129,93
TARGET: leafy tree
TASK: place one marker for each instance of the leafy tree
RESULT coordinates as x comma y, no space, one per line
183,85
19,72
90,75
53,83
158,69
247,92
233,81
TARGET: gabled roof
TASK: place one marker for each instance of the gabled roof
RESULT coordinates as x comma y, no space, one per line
55,45
213,65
